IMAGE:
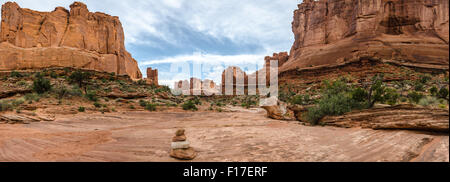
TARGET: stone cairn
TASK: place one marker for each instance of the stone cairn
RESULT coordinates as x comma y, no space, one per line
180,147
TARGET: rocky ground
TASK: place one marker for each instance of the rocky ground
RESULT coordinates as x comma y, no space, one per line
246,135
112,118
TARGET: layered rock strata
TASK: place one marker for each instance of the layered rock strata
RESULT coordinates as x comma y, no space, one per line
329,32
63,38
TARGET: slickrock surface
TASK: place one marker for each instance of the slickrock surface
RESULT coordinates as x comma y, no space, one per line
329,32
239,136
62,38
396,117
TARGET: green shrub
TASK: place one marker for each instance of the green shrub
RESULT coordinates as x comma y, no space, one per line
162,89
301,100
143,103
427,101
81,109
150,107
189,105
92,96
16,74
433,91
41,84
419,86
5,106
443,93
97,105
359,95
391,96
22,83
414,97
75,91
61,91
141,82
53,74
18,102
424,78
79,78
32,97
314,115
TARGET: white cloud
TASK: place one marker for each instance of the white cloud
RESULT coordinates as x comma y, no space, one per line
207,58
265,22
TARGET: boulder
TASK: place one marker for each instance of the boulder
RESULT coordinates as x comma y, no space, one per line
277,109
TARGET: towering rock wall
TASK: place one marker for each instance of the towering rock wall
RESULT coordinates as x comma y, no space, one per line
411,32
62,38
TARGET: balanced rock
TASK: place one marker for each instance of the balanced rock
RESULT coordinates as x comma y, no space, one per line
181,147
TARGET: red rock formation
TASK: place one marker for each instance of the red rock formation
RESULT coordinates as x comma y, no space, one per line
152,76
281,57
328,32
237,80
197,87
61,38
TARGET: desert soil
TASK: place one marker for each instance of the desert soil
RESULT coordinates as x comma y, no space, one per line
246,135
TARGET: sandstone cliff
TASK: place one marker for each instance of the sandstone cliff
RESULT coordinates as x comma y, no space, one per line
413,33
62,38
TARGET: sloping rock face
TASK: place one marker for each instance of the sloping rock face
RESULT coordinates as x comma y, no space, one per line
329,32
397,117
62,38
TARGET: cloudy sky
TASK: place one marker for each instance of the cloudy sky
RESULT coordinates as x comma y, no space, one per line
217,32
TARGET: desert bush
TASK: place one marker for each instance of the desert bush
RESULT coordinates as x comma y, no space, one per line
22,83
79,78
189,105
53,74
41,84
92,95
75,91
162,89
150,107
141,82
301,100
428,101
16,74
97,105
424,78
81,109
143,103
419,86
443,93
359,94
391,96
414,97
5,106
61,91
18,102
338,98
434,91
32,97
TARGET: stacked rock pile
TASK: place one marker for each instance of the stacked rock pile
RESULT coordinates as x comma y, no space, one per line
180,147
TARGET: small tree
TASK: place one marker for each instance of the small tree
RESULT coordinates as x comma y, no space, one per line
80,78
41,84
